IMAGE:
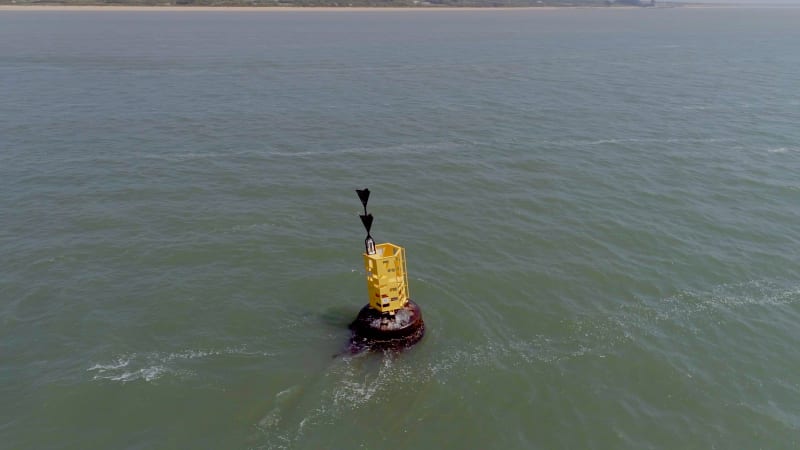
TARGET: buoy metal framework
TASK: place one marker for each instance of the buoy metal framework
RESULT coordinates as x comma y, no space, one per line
390,320
387,278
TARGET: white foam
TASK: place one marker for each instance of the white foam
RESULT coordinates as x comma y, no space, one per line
273,418
154,365
118,364
637,140
401,149
146,374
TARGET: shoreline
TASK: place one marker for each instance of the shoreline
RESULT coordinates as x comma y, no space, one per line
289,8
277,9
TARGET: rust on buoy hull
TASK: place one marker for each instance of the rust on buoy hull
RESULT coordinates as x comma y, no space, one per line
373,330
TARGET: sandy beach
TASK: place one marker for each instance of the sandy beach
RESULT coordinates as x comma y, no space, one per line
279,9
253,8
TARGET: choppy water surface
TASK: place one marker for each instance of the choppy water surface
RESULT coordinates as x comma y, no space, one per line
600,210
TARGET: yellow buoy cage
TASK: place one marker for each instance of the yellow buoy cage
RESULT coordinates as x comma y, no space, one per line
387,279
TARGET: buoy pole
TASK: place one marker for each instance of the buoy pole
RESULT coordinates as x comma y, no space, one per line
390,320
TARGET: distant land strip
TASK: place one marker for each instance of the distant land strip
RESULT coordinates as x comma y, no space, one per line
421,4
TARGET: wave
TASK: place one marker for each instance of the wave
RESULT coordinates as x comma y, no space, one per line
152,366
400,149
642,140
782,149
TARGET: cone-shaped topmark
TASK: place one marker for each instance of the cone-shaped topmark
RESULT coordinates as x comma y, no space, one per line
366,219
363,194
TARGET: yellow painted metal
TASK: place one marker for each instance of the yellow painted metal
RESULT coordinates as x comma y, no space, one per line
387,279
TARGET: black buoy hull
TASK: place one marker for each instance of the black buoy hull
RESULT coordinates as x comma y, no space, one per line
373,330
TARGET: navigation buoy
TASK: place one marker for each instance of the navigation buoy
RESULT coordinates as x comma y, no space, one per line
391,320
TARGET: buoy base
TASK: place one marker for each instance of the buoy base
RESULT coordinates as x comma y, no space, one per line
373,330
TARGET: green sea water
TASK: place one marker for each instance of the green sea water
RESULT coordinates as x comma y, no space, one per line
600,212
